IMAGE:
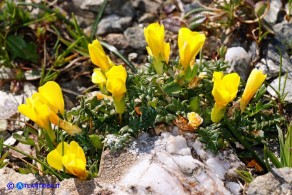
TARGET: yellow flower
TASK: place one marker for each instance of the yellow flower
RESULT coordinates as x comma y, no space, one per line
194,120
71,156
189,44
224,91
157,47
225,87
52,95
116,84
116,81
98,77
98,56
254,82
43,107
36,110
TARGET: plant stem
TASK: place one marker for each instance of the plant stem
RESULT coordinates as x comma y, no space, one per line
245,144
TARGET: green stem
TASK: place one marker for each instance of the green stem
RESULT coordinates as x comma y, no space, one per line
37,160
120,119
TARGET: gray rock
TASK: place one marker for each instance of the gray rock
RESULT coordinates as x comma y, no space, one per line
117,40
283,33
151,165
113,24
120,7
279,181
9,105
272,15
11,140
269,68
92,5
234,188
288,89
239,61
147,18
147,6
273,53
135,37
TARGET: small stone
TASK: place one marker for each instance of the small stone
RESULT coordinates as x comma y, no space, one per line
283,33
92,5
177,145
273,53
278,181
117,40
287,90
147,6
113,24
239,61
147,18
132,56
275,7
268,68
234,188
218,167
135,37
11,141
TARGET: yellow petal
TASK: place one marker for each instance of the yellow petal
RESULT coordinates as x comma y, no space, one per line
63,148
52,94
98,77
54,159
74,166
117,87
254,82
74,161
27,111
225,87
157,47
166,52
194,120
78,151
36,110
189,44
117,72
98,56
232,81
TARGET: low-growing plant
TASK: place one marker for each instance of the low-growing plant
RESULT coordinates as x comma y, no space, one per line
195,95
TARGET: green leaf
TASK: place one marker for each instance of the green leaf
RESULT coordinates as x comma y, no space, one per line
246,176
96,141
18,47
274,160
282,148
288,147
24,140
195,104
190,73
172,87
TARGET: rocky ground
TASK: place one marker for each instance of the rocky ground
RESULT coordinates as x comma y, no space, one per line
170,163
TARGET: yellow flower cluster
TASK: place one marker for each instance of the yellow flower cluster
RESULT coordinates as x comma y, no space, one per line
43,107
108,74
71,157
189,44
225,89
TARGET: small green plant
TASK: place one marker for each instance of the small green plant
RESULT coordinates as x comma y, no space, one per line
195,95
